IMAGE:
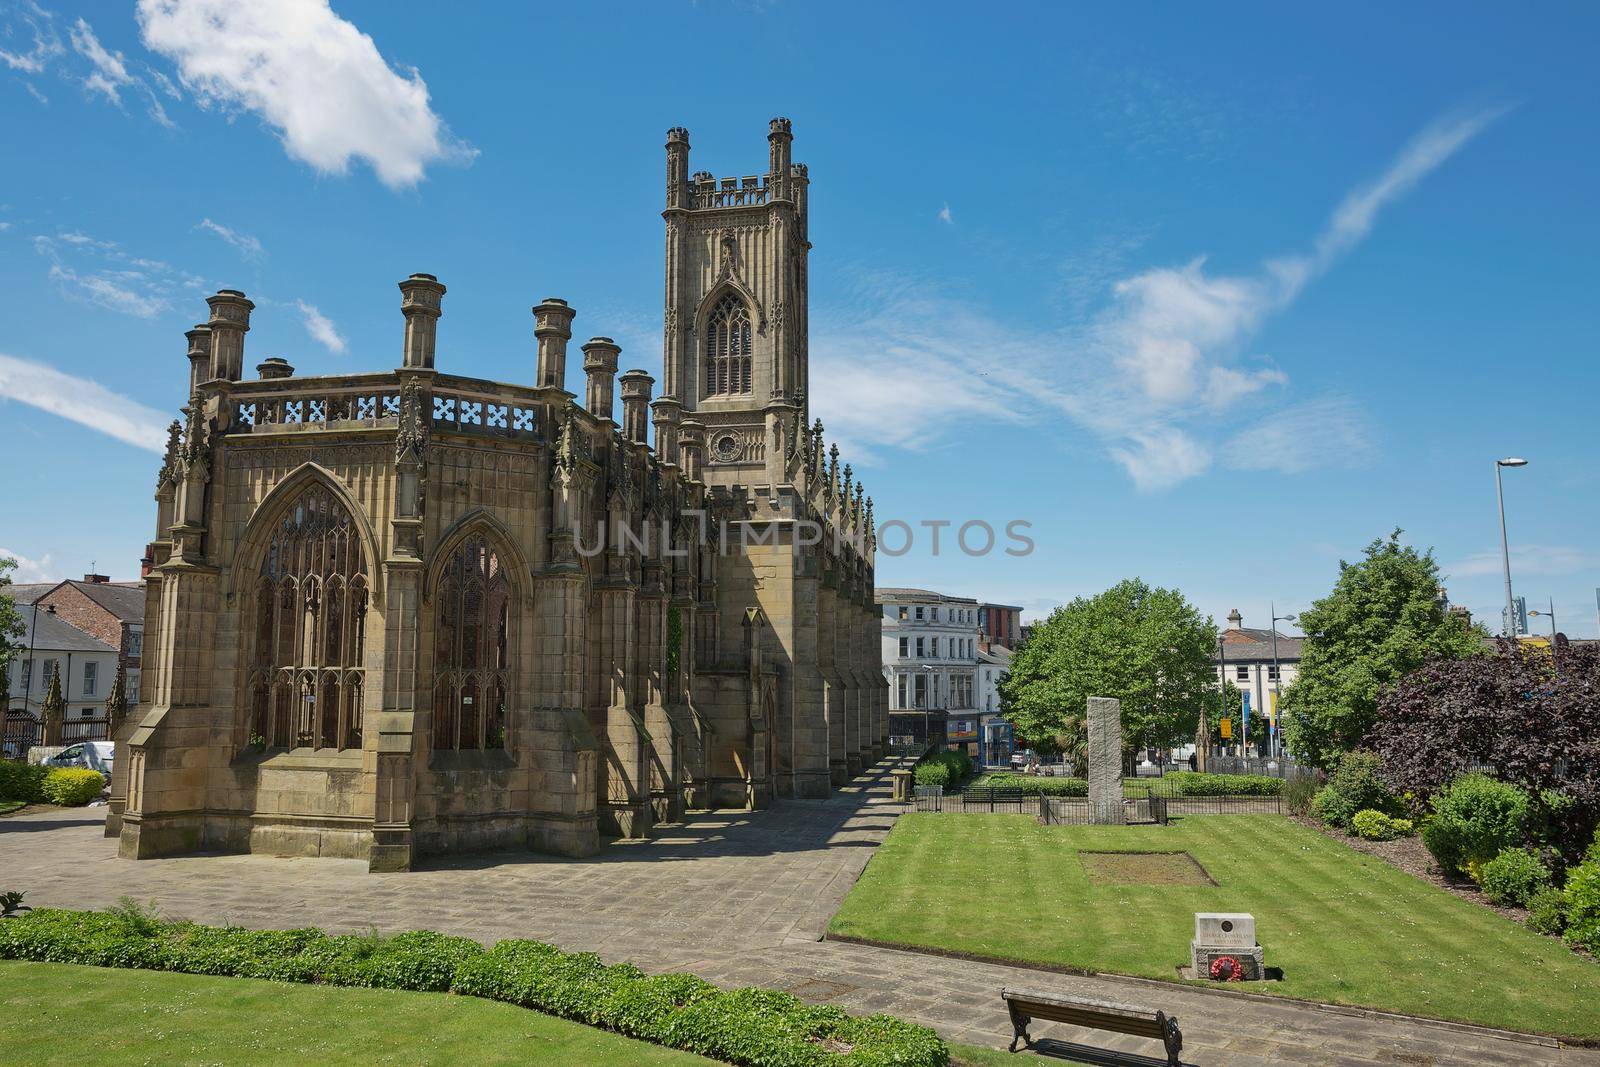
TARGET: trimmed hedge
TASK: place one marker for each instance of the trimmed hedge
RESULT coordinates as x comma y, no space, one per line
22,781
1374,825
72,787
1474,819
1514,876
945,768
1031,785
35,783
1198,784
755,1027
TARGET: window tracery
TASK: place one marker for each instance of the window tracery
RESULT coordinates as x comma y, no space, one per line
471,650
728,348
310,608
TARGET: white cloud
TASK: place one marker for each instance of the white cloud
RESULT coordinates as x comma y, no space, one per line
310,74
38,24
1527,561
945,216
43,569
321,328
249,247
110,72
83,401
99,272
1144,375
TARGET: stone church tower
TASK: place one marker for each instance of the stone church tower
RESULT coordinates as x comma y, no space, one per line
413,611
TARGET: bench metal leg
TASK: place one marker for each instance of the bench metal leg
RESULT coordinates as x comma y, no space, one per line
1019,1023
1171,1037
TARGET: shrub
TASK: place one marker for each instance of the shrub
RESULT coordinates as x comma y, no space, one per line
1354,787
1196,784
1299,794
1547,911
1583,901
22,781
72,787
1514,876
944,768
1032,785
1374,825
1474,820
754,1027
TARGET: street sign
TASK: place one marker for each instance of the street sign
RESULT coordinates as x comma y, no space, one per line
1226,726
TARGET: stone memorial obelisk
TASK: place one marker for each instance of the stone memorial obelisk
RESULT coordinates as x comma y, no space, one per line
1105,761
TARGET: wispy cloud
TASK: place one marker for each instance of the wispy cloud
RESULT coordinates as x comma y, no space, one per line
311,75
99,272
82,401
100,71
321,328
1528,560
1144,375
945,216
29,20
247,246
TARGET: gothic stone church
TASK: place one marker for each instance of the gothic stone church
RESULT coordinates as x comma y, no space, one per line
410,611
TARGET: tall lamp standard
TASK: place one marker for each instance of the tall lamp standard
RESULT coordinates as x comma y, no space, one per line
1551,615
927,735
1510,626
1277,676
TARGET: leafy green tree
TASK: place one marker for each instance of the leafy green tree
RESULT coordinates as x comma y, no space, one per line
1383,619
1150,648
11,627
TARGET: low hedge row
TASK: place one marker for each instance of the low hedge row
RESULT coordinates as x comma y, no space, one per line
1199,784
1031,785
37,784
757,1027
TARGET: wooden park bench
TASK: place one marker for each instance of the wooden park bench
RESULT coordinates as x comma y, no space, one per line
1027,1006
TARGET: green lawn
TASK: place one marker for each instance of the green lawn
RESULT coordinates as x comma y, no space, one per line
1344,927
62,1014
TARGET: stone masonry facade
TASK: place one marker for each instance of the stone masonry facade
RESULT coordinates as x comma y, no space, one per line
409,612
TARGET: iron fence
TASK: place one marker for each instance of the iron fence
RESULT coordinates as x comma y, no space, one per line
22,732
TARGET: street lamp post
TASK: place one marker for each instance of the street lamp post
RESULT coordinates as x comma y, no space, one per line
1277,678
1551,615
1510,626
927,702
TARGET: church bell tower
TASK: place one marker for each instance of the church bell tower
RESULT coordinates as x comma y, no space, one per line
735,349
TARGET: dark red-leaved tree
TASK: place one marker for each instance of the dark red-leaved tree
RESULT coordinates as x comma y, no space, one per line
1532,716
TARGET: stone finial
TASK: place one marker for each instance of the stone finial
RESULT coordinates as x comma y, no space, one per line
849,479
780,136
552,329
833,469
173,456
677,167
421,302
229,322
274,367
600,356
691,447
667,411
199,356
636,405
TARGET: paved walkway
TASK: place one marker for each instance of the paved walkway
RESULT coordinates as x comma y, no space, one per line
740,899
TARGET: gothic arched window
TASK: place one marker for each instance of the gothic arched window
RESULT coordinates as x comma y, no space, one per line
471,649
728,348
310,608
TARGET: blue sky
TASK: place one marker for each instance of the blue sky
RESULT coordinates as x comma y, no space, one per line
1211,295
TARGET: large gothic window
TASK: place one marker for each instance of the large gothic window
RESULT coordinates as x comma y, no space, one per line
471,661
310,609
728,348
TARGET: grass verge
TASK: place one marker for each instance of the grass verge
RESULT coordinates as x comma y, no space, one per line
58,1013
1345,928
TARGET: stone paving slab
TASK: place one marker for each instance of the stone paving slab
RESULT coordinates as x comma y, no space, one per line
738,898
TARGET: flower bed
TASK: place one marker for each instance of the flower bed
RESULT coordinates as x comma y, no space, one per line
757,1027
